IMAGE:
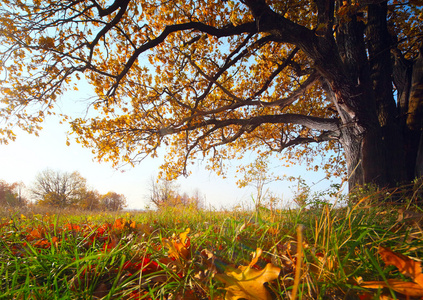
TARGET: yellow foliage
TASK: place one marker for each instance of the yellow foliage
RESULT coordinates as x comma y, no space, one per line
199,77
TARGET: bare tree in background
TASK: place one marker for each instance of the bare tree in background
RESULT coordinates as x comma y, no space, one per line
165,193
58,189
162,191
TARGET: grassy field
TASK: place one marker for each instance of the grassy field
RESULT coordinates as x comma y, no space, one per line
314,252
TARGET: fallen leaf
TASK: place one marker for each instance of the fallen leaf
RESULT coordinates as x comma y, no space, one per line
405,265
44,243
178,248
102,290
247,282
406,288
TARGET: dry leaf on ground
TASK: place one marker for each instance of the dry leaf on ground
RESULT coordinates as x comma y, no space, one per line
405,265
247,282
406,288
178,247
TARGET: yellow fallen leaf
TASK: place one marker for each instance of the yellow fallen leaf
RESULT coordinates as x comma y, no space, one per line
246,282
178,248
406,288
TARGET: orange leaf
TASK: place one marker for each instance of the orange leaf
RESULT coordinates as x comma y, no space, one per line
405,265
34,234
72,227
42,244
178,248
406,288
119,224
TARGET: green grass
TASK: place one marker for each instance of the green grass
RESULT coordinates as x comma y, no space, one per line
63,255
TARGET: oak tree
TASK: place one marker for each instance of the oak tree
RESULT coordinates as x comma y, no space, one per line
90,201
112,201
59,189
218,78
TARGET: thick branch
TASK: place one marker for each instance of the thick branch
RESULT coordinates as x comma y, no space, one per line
250,124
281,28
122,4
282,103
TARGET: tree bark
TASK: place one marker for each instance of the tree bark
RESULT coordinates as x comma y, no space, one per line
415,114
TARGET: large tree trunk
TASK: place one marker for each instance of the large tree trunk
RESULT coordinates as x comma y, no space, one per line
380,136
415,113
365,110
391,152
375,140
408,79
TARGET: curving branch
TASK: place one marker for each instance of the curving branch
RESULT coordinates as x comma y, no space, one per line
330,130
217,32
250,124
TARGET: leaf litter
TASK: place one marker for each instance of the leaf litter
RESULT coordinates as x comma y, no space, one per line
126,259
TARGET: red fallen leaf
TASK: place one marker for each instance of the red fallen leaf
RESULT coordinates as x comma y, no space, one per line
100,231
114,241
72,227
365,296
17,250
405,265
42,244
99,234
35,234
145,265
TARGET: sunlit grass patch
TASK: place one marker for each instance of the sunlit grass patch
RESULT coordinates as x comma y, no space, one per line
179,253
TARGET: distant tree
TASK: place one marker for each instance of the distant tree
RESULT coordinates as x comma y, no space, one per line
165,193
90,201
257,175
11,194
162,192
112,201
59,189
197,199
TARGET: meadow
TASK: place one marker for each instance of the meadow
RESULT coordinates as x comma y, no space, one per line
368,248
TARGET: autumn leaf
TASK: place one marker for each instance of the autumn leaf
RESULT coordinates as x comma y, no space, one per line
406,288
119,224
42,244
178,248
405,265
143,264
247,282
72,227
34,234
